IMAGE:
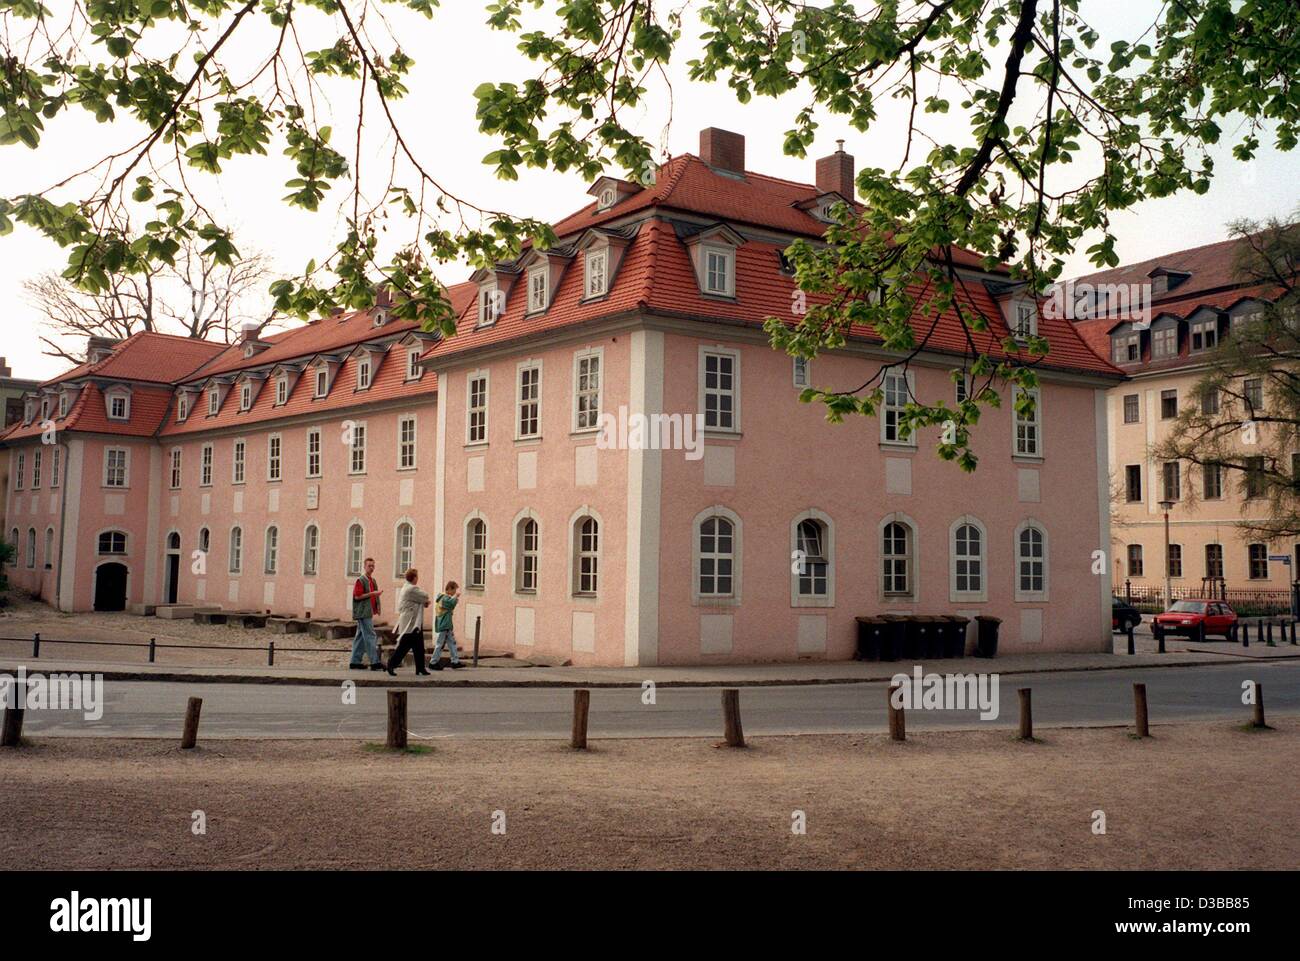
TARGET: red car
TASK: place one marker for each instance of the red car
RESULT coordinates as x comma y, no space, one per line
1195,619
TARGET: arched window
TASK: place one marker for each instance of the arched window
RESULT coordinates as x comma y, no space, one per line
403,549
968,576
49,548
526,550
356,549
717,557
896,561
476,554
236,549
174,541
31,547
586,556
205,540
1031,562
13,539
272,549
311,549
110,542
812,558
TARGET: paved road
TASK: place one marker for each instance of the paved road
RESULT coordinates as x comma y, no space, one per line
155,708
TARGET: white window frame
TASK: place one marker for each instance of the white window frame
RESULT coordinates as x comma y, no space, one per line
522,403
176,475
322,385
205,466
114,398
126,467
538,304
274,457
523,554
471,410
238,460
182,407
828,548
246,396
577,554
727,256
363,371
591,260
1024,319
403,554
314,434
472,552
55,460
589,354
20,470
718,350
800,372
413,369
908,378
236,560
355,551
281,390
405,447
910,557
36,469
956,594
1029,595
1200,329
357,449
1036,424
697,557
271,549
311,550
491,304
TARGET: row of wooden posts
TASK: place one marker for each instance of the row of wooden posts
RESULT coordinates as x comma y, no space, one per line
732,730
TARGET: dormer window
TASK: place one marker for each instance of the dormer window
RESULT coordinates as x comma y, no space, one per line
245,396
596,271
538,288
45,409
1205,334
606,199
119,407
282,391
1164,341
182,407
720,271
363,373
63,405
381,317
413,369
29,411
1126,348
214,401
490,304
1026,320
322,381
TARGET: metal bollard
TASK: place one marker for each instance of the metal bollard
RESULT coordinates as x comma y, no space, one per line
270,654
1245,634
153,644
36,645
1131,648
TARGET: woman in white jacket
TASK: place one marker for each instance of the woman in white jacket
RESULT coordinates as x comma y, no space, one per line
411,602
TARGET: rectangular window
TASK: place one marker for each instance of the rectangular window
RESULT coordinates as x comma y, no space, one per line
322,382
1026,321
413,368
586,391
273,457
719,269
115,467
313,452
1172,481
405,443
1253,388
961,391
1168,404
272,559
596,266
236,550
182,407
1210,401
357,461
896,395
214,402
1132,412
1126,348
490,304
1212,477
476,410
282,391
1028,426
1164,342
1135,560
1205,335
237,464
1214,560
1258,554
176,468
363,373
54,466
19,471
205,466
537,289
36,470
246,396
529,401
116,407
1133,483
719,391
1255,480
1175,560
802,377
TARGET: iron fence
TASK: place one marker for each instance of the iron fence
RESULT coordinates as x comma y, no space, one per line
1150,599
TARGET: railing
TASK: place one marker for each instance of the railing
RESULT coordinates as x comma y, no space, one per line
1150,599
153,646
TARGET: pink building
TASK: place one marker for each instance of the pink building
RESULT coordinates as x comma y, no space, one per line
511,457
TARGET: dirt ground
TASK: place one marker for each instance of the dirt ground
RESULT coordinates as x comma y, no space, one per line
1193,796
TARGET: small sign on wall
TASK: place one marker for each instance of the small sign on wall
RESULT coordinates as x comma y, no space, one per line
313,496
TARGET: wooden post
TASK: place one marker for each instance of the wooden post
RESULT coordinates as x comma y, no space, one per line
1026,716
11,734
396,720
270,653
1140,710
897,722
732,731
191,733
1258,720
153,644
36,645
581,708
478,629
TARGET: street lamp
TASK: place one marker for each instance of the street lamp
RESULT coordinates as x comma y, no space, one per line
1166,506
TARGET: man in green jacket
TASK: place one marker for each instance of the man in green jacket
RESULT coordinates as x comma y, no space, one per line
446,603
365,605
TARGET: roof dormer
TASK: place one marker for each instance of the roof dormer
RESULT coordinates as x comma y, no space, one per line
250,344
100,348
823,205
602,254
68,395
494,284
411,348
250,385
542,270
117,402
214,394
713,254
284,378
1164,279
609,191
322,369
366,359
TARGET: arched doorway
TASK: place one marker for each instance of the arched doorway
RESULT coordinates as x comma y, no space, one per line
110,587
172,568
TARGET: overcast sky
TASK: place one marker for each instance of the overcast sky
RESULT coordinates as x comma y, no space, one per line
454,53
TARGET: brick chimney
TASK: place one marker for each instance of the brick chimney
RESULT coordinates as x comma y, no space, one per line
723,149
247,332
835,173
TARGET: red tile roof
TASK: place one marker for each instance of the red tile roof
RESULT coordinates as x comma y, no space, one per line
148,356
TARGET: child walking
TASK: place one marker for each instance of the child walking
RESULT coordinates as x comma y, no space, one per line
446,603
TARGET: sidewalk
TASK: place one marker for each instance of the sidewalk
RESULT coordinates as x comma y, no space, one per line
730,675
